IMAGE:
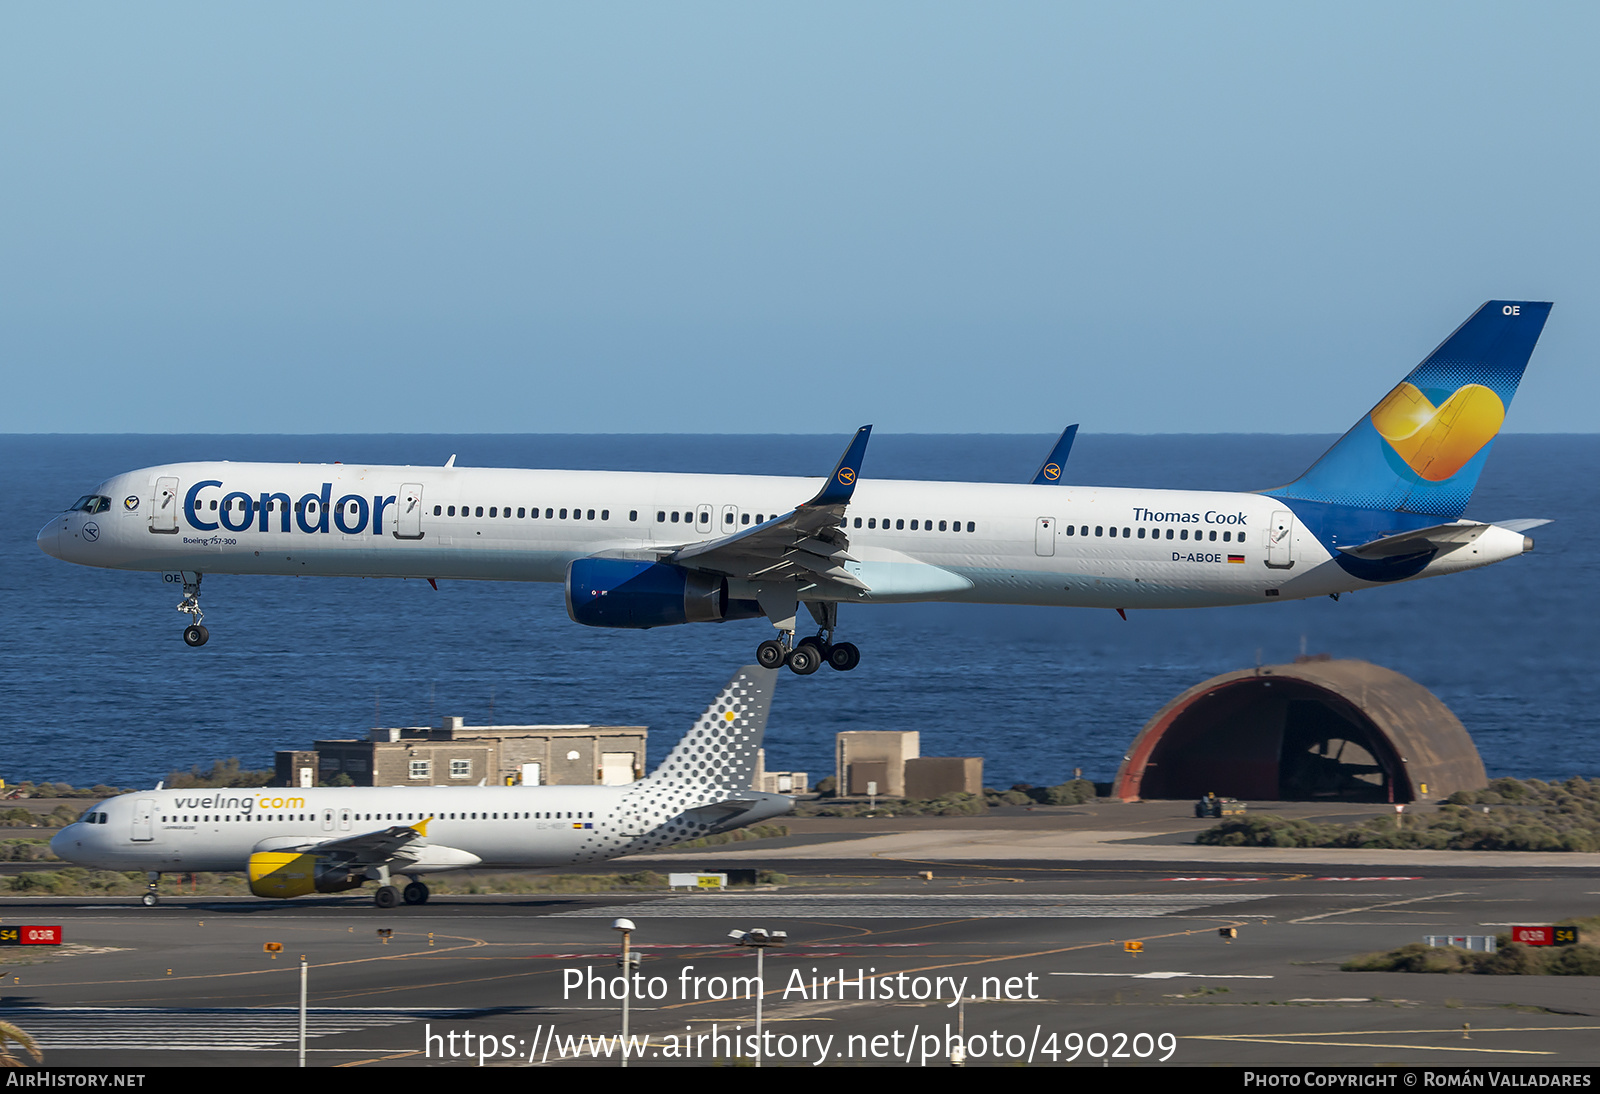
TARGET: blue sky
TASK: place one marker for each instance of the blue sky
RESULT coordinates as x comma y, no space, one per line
783,218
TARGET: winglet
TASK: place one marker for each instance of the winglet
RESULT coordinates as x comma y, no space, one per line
1050,470
842,483
421,827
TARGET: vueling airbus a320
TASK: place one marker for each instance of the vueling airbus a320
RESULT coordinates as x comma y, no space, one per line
643,550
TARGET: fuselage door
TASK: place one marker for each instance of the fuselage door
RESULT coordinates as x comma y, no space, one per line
144,820
1280,540
344,820
730,520
408,523
327,820
1044,536
164,508
702,520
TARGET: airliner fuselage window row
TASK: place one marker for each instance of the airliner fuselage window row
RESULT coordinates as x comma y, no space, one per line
1384,504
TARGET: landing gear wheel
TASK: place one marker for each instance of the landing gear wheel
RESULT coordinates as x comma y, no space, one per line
196,635
149,900
818,643
770,654
844,656
387,896
416,893
804,660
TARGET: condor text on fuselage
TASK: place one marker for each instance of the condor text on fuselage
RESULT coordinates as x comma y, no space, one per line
646,549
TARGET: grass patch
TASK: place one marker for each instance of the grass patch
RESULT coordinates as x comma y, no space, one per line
1510,959
1510,815
738,835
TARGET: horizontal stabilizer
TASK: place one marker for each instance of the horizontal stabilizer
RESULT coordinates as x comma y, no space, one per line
1522,525
1441,537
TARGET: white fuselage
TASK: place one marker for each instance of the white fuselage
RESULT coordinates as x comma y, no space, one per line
171,830
913,540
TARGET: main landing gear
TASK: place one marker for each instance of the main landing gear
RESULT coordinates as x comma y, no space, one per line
151,898
808,655
195,634
390,896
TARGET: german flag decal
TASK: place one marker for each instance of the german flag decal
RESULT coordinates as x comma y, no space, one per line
1235,558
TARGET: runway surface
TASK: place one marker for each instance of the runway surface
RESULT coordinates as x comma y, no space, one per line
524,980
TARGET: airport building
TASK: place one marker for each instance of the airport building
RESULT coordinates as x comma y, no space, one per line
456,754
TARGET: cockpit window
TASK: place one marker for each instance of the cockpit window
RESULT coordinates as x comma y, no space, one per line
90,503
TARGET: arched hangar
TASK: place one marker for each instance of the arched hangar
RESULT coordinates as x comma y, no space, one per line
1311,731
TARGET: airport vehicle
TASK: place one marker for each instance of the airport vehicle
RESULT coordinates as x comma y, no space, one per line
293,841
641,550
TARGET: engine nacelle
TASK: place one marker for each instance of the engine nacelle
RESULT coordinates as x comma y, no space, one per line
296,873
634,594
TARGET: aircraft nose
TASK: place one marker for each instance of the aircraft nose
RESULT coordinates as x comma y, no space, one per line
61,844
49,538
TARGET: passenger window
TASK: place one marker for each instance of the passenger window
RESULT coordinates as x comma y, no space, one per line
1184,534
549,514
1071,529
872,522
1141,533
858,522
1169,533
941,526
1213,536
493,512
1099,529
661,517
605,514
913,526
521,512
1126,532
1225,536
591,513
674,516
480,510
972,526
563,514
900,523
437,510
633,514
1113,533
452,510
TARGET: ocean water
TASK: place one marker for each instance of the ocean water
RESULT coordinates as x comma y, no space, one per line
97,684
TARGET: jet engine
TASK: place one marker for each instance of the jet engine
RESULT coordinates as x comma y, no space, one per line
638,595
296,873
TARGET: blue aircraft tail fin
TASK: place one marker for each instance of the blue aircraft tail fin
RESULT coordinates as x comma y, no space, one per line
1420,450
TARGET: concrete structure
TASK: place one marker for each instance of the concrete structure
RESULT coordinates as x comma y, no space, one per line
1313,730
936,776
455,754
777,782
862,757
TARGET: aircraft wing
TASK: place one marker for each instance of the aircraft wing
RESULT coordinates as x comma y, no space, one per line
1050,470
373,848
806,544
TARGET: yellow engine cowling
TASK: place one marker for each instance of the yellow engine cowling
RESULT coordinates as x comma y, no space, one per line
293,873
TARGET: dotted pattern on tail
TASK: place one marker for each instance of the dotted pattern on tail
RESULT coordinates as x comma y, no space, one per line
715,761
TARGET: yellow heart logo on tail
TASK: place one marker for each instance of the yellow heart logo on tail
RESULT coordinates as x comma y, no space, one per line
1436,442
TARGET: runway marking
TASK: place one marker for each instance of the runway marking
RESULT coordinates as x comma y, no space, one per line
1374,907
920,906
209,1029
1175,975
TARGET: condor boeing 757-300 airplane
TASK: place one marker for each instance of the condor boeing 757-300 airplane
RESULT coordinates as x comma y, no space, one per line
643,550
293,842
